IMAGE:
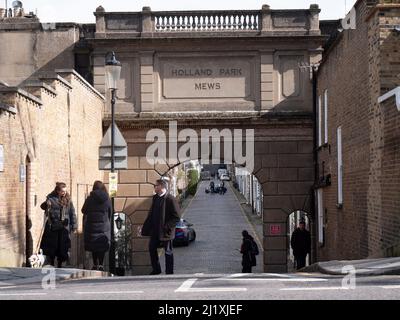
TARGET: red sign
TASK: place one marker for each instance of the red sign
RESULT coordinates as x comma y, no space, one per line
275,230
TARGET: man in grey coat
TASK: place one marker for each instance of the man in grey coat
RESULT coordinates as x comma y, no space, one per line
160,226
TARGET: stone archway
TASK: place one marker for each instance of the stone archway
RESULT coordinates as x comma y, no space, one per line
283,164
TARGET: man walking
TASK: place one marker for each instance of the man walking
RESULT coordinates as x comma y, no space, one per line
301,244
160,226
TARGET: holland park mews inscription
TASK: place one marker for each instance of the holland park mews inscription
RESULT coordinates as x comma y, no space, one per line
206,78
207,73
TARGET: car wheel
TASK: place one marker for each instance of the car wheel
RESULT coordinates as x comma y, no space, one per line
194,235
186,243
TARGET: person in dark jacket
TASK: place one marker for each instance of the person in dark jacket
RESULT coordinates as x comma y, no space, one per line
61,221
248,257
160,226
97,228
301,245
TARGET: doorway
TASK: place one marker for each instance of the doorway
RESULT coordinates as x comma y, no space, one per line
293,222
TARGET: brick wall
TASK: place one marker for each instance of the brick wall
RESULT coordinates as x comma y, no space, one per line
384,188
61,139
356,70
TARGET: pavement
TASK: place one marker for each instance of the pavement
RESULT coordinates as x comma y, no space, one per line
365,267
23,276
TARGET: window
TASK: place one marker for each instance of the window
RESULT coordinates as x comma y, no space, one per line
326,115
320,216
340,166
319,121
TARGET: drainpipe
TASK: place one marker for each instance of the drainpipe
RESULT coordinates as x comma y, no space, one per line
313,226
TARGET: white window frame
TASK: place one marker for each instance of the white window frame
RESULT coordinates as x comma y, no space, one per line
320,203
326,115
340,165
319,121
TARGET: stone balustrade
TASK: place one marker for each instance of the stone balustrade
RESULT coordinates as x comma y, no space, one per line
149,23
207,21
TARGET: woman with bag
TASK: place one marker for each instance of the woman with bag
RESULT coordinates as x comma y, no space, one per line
61,221
97,229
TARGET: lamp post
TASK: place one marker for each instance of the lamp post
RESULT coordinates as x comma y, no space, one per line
113,73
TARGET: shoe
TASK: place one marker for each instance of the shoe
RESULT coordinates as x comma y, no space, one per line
100,268
94,268
153,273
169,272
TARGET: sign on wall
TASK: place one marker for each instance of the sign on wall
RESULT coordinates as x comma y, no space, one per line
1,158
113,188
207,78
275,230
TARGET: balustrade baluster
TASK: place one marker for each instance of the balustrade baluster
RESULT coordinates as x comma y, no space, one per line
251,22
246,22
187,22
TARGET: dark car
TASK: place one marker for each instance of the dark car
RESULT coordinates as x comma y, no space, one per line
184,233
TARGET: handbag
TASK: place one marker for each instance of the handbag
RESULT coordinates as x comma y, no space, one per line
56,225
59,224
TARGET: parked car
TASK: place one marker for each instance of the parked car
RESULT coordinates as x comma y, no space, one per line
184,233
224,177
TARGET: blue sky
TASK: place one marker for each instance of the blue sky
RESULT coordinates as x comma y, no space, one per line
81,11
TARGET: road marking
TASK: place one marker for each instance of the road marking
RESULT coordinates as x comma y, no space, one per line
271,279
391,287
315,289
10,287
187,287
110,292
278,275
22,294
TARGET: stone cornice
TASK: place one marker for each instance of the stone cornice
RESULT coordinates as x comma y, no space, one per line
81,80
199,120
38,84
55,77
22,93
382,6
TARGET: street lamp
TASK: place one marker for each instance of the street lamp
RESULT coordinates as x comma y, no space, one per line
113,73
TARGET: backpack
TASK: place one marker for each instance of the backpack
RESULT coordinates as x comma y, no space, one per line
254,248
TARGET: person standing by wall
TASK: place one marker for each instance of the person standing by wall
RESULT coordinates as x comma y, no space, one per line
160,226
301,244
61,221
97,213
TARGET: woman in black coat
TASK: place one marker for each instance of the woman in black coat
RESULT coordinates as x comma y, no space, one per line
97,229
61,221
248,258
